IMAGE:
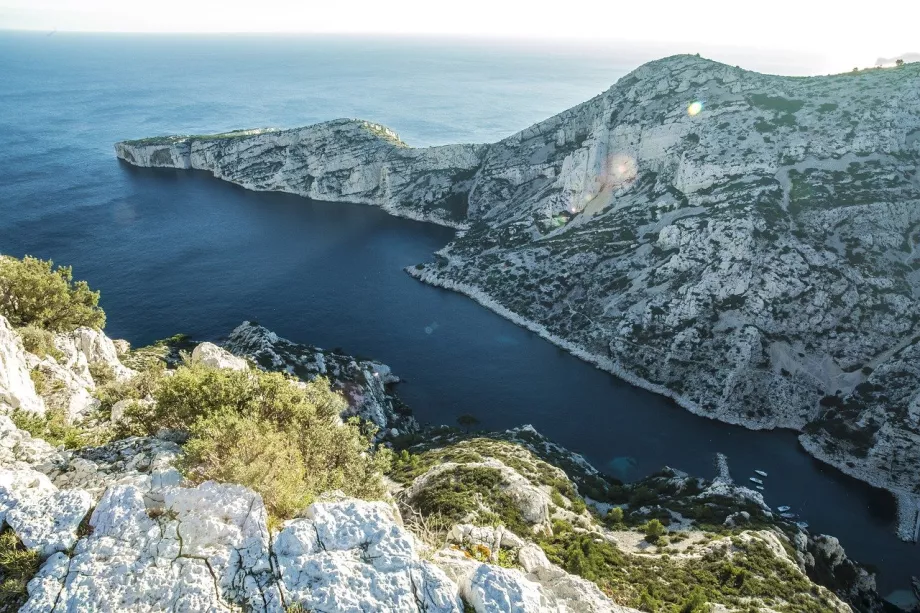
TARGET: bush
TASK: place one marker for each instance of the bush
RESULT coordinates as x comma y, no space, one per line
34,293
241,449
39,342
263,431
101,373
654,530
54,428
17,566
140,386
614,517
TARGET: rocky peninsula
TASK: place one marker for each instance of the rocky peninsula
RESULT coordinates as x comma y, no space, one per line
746,244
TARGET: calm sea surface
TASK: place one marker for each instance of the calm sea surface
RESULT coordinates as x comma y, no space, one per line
182,252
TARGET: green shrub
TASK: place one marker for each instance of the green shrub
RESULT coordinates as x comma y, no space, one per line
233,448
39,342
54,428
557,499
261,430
471,492
695,603
654,530
34,293
614,517
141,385
40,381
101,373
17,567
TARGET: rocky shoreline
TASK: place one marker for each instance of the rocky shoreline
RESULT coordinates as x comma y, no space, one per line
908,503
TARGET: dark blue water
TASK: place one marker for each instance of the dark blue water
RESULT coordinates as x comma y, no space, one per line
181,252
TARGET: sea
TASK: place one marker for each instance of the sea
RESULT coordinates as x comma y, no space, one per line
181,252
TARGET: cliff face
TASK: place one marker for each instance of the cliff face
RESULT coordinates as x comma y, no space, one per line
747,244
338,161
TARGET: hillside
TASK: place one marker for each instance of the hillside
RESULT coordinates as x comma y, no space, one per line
744,243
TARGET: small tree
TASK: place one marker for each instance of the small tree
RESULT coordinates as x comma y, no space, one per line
467,421
615,516
899,62
654,530
34,293
695,602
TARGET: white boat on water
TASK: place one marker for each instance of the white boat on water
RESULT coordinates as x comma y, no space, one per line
801,524
783,509
788,515
762,473
757,481
760,487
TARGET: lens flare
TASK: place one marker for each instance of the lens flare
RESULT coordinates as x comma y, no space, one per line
695,108
621,170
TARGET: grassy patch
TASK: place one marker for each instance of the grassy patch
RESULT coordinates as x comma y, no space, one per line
471,493
17,567
54,428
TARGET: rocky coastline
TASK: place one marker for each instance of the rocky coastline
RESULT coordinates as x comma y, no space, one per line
698,230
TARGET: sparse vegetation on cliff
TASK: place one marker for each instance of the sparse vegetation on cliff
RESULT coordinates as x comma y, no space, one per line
36,294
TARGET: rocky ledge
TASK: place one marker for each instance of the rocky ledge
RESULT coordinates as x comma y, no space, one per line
746,244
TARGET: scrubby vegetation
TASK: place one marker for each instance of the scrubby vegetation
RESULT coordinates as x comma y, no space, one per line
55,428
263,431
675,571
38,341
17,566
741,573
476,493
34,293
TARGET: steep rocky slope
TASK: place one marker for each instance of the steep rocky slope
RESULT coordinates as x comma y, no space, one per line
119,525
744,243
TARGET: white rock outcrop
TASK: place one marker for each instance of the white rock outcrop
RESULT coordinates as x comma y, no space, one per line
211,355
353,556
17,391
85,346
44,518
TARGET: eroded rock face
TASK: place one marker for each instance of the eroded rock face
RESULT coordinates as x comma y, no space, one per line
366,384
338,161
208,548
749,256
16,388
44,518
353,556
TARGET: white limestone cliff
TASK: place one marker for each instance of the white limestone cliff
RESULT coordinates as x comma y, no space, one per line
17,391
746,244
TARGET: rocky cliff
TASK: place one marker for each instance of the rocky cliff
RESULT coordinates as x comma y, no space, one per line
744,243
488,522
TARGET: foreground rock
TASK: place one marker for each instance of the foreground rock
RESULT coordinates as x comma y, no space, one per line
753,255
17,391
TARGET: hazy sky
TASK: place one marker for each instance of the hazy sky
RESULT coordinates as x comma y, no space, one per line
849,32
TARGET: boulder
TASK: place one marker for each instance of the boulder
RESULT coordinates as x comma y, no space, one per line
85,346
44,518
211,355
354,556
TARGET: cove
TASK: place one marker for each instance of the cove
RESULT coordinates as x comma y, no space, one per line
183,252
